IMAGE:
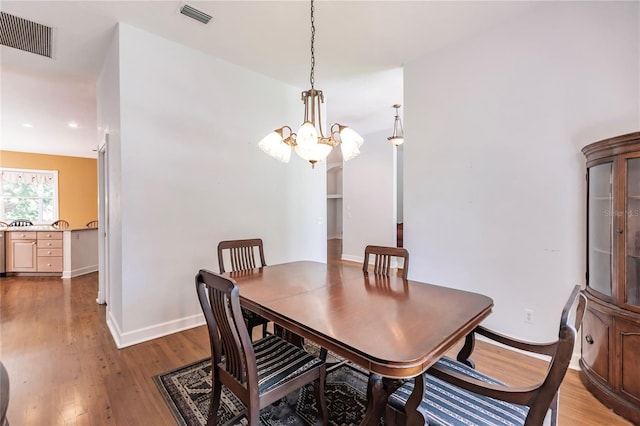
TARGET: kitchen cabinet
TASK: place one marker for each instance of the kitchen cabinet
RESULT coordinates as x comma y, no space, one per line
22,255
50,251
34,252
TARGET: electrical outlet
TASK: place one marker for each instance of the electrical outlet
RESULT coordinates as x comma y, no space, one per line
528,316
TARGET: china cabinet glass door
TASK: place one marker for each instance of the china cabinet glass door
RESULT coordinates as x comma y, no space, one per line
600,231
632,247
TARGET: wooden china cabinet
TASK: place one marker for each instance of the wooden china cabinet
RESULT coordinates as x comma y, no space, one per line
611,327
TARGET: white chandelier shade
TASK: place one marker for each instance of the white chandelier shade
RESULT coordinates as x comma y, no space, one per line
274,145
351,143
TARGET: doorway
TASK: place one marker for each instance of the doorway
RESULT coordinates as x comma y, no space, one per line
334,205
103,221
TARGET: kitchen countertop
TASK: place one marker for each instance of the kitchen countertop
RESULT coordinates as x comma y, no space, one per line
41,228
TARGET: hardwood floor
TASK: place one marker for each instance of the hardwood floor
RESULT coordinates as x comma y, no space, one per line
65,369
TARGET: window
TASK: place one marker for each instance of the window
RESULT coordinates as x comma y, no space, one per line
29,194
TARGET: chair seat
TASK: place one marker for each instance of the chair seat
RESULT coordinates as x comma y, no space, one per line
279,361
449,405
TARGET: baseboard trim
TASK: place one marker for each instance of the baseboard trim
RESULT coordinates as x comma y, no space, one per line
357,259
112,324
80,271
574,364
144,334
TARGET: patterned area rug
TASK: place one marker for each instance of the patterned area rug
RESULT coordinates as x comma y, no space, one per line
187,390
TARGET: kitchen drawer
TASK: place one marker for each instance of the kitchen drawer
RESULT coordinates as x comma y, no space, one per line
49,264
17,235
49,235
48,252
42,244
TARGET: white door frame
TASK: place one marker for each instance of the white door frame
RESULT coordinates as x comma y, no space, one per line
103,222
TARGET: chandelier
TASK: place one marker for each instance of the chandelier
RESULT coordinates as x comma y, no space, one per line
398,132
310,142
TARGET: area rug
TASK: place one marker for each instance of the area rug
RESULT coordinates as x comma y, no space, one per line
187,391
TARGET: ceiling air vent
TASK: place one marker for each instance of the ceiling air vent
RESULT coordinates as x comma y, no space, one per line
25,35
196,14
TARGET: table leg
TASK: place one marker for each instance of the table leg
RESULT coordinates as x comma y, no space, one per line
415,414
467,349
288,336
378,391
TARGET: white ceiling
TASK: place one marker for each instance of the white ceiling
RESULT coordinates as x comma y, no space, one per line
360,48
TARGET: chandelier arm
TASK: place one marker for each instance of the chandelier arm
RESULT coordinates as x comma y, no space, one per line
320,100
305,99
288,128
312,117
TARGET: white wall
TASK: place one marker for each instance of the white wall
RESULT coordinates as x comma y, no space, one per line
494,177
192,175
369,197
80,252
108,100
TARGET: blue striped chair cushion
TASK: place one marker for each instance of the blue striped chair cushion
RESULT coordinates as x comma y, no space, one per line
449,405
278,361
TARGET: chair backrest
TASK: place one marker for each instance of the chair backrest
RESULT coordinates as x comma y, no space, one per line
92,224
220,301
4,394
241,254
538,397
382,261
561,357
60,224
21,222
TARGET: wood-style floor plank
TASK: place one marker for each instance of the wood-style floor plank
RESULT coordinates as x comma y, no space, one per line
66,370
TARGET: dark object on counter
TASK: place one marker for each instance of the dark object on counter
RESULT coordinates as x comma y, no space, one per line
21,222
92,224
60,224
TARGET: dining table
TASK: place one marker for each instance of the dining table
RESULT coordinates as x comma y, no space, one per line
393,327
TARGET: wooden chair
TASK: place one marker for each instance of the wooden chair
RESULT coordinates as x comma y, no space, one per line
382,260
92,224
4,395
60,224
258,373
242,258
21,222
454,386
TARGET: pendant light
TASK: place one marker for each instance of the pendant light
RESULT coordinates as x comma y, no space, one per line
310,142
398,132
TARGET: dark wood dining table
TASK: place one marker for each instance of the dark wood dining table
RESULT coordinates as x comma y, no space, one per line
392,327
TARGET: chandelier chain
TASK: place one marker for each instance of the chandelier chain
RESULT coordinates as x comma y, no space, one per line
313,38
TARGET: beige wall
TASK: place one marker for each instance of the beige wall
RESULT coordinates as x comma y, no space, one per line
77,182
